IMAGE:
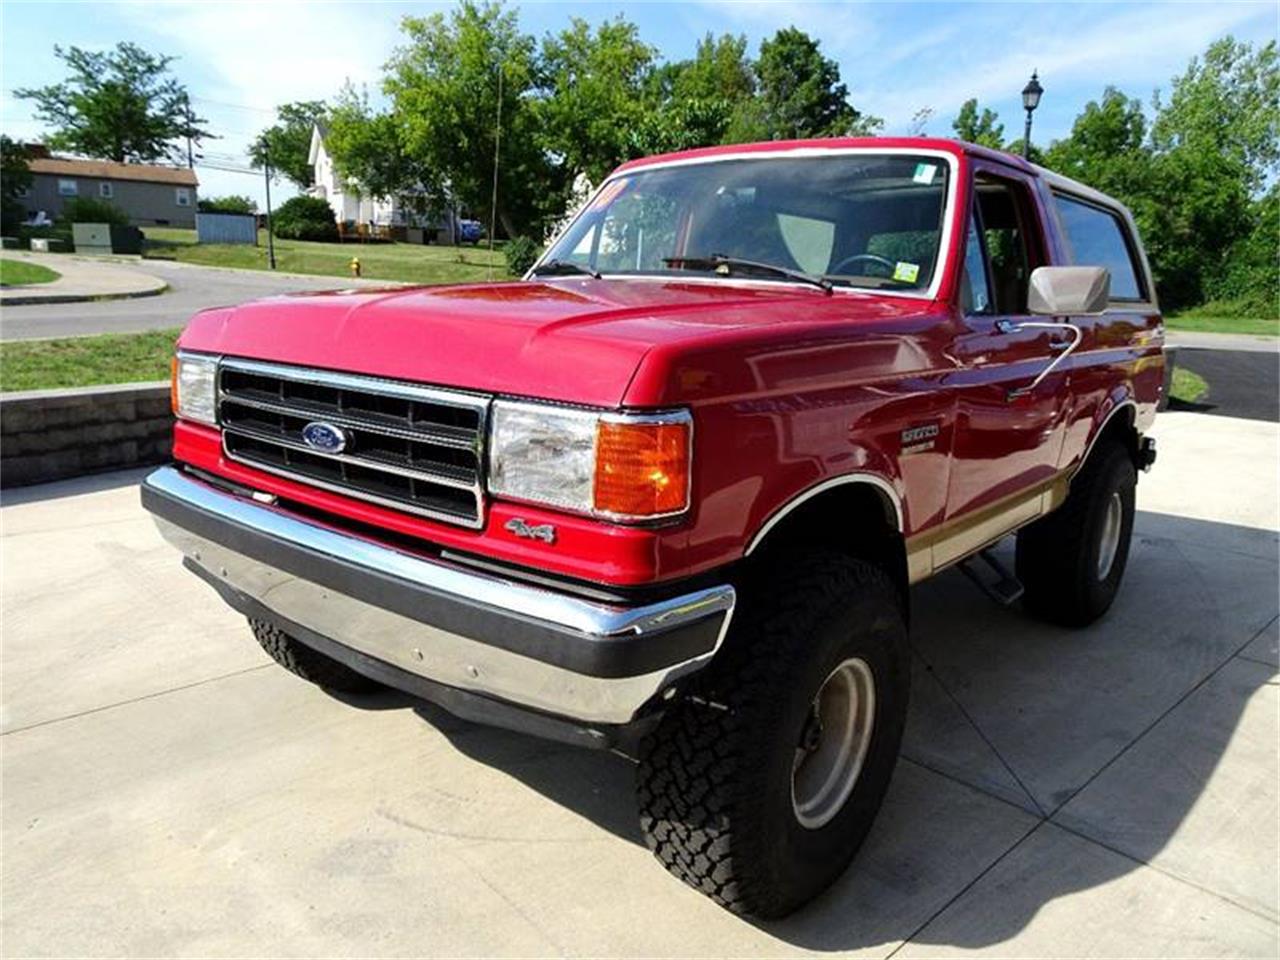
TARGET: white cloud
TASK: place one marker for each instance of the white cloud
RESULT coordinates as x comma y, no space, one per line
897,58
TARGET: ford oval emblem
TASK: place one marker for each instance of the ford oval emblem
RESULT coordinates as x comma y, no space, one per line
324,437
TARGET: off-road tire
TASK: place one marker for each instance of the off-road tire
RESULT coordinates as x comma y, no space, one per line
299,659
714,779
1057,557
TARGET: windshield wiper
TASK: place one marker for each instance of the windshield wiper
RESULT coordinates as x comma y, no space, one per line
724,265
553,268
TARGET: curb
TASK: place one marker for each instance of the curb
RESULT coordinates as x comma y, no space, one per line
82,297
357,281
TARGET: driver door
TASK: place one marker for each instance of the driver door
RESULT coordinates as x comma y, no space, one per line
1007,441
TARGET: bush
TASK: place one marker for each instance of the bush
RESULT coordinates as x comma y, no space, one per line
60,232
521,254
92,210
231,204
305,218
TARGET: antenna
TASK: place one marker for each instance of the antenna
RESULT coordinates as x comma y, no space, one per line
493,203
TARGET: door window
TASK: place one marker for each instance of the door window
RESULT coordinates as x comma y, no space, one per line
1099,239
1012,241
975,295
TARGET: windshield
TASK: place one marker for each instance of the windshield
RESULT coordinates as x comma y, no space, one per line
858,219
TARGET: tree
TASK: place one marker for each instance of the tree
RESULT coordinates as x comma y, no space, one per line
720,70
1107,148
444,84
594,82
368,151
119,105
1217,145
800,94
287,143
1194,175
15,178
1228,102
234,203
920,121
680,125
984,129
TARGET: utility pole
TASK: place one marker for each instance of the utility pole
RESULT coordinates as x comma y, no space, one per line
266,171
493,203
186,103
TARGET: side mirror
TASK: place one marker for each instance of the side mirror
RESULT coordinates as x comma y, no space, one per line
1069,291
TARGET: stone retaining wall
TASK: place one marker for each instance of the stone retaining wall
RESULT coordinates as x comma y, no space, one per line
53,434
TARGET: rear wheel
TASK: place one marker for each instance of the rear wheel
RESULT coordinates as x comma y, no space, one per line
759,787
1071,562
309,664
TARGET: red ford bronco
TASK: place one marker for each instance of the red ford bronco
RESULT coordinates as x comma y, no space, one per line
668,493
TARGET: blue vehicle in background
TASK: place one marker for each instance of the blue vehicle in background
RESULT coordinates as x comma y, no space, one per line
470,231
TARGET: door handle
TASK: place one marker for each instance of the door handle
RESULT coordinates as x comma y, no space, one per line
1064,349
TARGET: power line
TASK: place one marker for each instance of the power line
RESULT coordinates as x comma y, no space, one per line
234,106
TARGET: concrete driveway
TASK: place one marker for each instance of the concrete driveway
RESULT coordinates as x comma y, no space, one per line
1111,792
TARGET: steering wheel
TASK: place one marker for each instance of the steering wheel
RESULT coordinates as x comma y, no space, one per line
874,258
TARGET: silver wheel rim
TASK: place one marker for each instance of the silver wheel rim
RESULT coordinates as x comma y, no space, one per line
1109,542
833,744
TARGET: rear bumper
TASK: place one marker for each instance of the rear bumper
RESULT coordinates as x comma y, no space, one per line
437,626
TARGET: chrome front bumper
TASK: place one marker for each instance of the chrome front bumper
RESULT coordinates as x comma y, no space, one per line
554,653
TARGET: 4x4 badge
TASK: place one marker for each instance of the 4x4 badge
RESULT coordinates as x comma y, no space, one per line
543,531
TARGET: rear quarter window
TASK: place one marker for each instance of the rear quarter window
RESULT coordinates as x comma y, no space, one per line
1099,238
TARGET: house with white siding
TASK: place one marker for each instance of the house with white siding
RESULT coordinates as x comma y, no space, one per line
349,205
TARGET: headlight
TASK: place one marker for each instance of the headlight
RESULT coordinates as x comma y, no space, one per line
618,466
193,390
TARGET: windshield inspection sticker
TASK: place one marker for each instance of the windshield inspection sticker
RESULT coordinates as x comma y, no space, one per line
925,172
906,272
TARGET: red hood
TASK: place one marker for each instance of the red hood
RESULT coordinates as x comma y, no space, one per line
575,340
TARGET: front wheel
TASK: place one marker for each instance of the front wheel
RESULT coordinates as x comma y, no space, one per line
309,664
1071,562
758,788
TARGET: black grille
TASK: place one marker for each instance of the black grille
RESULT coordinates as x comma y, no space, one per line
409,447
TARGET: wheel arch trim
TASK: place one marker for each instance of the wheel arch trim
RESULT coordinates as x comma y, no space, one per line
879,483
1128,403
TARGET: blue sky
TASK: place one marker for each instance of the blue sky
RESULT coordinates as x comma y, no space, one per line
240,58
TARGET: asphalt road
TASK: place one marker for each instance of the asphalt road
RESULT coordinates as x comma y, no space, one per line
1241,383
191,288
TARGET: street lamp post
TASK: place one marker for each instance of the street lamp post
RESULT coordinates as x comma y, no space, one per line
1030,100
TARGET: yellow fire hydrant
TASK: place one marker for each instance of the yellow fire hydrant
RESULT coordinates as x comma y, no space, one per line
355,266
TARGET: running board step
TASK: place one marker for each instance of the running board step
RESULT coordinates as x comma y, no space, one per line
1004,590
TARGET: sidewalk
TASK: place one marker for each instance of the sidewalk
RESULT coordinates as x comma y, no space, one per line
1196,340
83,279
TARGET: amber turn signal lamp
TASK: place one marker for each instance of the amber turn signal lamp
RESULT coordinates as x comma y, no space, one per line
173,384
642,469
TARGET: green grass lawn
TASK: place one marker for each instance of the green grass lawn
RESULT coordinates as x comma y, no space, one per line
1223,316
1187,386
19,273
414,263
86,361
